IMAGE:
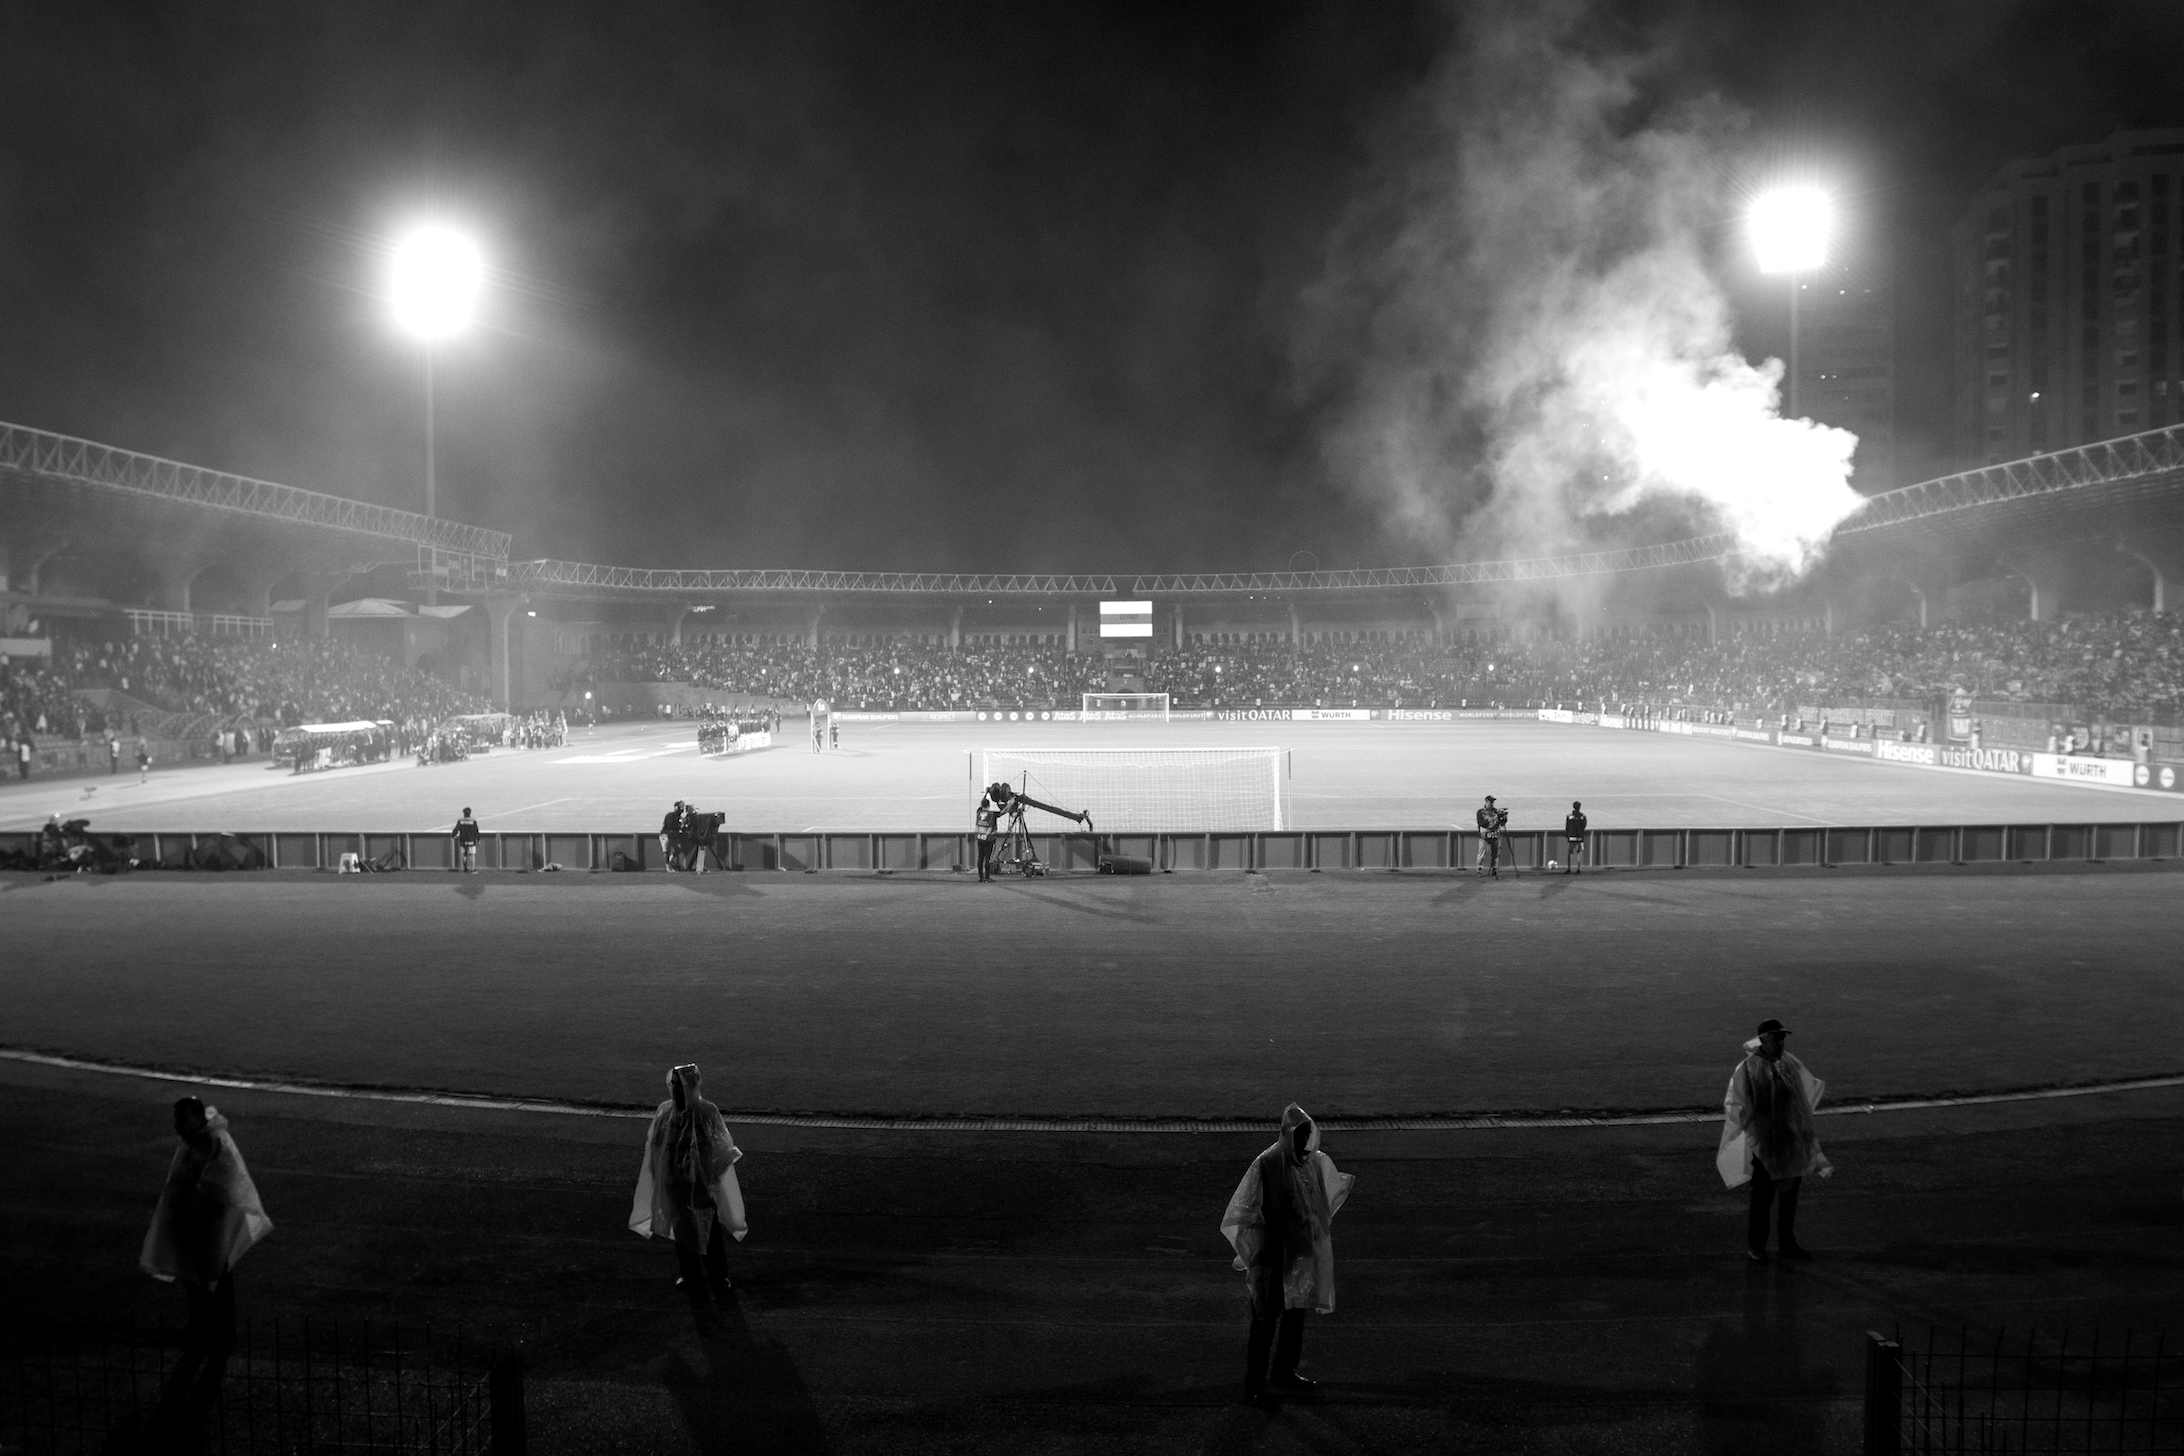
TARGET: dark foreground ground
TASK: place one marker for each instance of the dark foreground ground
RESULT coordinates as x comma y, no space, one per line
1572,1290
1536,1289
1212,995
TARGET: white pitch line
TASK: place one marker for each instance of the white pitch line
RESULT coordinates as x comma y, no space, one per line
1764,809
1423,1123
527,808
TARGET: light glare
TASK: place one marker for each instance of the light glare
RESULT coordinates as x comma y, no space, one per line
434,282
1790,227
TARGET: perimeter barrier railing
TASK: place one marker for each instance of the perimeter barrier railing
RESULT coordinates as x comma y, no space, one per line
1302,849
2085,1394
283,1388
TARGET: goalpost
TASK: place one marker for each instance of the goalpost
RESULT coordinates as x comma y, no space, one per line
1132,705
1147,790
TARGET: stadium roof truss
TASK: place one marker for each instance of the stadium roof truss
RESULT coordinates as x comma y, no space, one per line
2153,460
471,558
2089,474
103,467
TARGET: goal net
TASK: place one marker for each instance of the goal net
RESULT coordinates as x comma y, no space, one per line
1145,790
1127,705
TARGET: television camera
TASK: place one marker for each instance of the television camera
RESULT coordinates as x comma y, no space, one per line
1014,853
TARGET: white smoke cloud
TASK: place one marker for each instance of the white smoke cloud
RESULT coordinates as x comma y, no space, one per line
1523,324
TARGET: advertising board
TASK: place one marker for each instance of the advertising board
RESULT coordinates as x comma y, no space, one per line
1848,745
2155,776
1986,760
2116,771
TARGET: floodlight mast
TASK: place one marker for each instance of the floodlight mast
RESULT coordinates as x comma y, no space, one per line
1790,228
436,276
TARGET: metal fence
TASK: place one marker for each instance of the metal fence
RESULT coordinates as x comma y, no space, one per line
1959,1391
281,1388
1305,849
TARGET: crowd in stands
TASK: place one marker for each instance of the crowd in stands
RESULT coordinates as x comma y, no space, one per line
890,675
309,681
2126,666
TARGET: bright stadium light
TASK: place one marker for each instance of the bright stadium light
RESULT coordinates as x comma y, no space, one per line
1790,227
434,282
435,276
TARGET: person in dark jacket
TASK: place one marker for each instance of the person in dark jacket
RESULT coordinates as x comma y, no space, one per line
671,836
1491,822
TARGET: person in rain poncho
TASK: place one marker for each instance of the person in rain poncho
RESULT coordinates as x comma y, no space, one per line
687,1189
1281,1224
1767,1137
208,1217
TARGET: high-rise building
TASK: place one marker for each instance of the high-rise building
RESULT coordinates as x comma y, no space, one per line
1846,361
2067,278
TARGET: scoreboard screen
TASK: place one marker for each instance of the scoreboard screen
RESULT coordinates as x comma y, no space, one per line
1126,619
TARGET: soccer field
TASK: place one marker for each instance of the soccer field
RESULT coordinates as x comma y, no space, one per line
917,777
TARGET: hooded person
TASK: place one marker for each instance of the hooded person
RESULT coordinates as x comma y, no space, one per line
686,1188
1767,1136
1281,1224
208,1217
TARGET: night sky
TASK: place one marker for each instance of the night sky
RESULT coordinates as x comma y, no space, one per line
941,287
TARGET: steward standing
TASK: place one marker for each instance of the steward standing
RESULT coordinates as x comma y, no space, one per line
1573,838
1280,1222
466,843
208,1217
686,1187
1767,1137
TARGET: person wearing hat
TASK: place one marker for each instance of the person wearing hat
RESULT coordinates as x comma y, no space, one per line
1491,820
1767,1137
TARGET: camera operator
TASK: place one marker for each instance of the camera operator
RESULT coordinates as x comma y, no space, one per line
991,807
671,835
1491,822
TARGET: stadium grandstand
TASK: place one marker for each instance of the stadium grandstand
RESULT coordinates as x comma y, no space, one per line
2031,598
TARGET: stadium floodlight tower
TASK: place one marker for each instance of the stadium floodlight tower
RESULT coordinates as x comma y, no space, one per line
1790,227
434,281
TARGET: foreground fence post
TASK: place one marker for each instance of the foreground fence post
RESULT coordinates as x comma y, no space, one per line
504,1384
1883,1396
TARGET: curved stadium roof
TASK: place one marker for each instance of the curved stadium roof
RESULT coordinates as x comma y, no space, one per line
2036,491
